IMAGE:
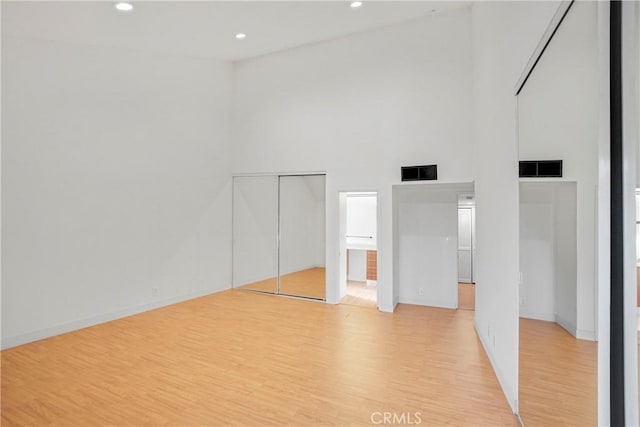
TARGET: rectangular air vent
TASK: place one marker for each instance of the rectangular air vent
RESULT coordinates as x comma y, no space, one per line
541,169
419,173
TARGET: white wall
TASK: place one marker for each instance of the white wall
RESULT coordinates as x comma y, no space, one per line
466,240
558,119
115,180
566,253
359,107
427,244
537,254
504,36
637,229
357,265
362,221
548,263
342,245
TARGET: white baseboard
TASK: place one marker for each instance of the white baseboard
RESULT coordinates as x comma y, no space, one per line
331,301
301,268
389,308
40,334
386,308
567,325
505,389
583,334
428,303
547,317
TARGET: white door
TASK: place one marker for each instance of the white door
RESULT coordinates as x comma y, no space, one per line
465,245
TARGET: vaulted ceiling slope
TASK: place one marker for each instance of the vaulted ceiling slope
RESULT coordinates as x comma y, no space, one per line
208,28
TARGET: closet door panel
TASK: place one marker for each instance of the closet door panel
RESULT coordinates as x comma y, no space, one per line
255,233
302,236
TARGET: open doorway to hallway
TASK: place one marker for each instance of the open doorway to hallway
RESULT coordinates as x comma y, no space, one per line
359,258
466,242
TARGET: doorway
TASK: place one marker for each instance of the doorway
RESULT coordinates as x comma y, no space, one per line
359,248
430,258
466,242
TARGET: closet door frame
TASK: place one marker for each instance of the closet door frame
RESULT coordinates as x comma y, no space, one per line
279,175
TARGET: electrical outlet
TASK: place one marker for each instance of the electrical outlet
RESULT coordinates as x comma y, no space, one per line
421,291
154,292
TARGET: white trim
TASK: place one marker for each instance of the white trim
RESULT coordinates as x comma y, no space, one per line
386,308
444,184
603,218
583,334
567,325
505,389
548,180
428,303
16,340
546,37
257,174
545,317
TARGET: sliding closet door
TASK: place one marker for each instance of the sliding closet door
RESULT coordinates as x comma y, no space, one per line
302,235
255,233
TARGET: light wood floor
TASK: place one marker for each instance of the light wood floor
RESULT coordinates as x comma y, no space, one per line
358,293
558,376
309,283
466,296
242,358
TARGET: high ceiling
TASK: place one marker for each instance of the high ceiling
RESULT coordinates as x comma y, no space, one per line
208,28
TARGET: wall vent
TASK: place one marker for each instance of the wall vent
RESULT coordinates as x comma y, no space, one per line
419,173
541,169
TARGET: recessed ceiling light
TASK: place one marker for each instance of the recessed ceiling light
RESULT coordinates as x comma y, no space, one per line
124,6
356,4
241,36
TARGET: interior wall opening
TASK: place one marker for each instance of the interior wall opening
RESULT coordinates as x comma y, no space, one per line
434,244
359,248
466,251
